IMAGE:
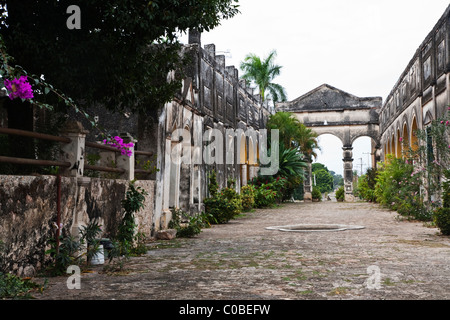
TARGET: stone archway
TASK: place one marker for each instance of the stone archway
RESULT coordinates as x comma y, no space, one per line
328,110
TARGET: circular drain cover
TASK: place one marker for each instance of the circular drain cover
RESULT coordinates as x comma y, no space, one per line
315,227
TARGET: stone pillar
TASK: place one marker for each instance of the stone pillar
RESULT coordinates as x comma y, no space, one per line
307,184
74,152
194,37
243,174
348,173
126,162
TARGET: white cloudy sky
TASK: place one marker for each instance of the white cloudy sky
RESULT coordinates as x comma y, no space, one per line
359,46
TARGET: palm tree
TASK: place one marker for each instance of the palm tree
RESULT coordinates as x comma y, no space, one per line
262,72
291,163
294,134
307,141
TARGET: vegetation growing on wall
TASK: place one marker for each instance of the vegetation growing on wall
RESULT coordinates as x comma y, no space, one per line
417,184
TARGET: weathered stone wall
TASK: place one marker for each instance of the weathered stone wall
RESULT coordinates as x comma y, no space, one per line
28,212
211,97
422,92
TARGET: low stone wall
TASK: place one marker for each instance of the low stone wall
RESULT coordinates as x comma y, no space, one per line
28,212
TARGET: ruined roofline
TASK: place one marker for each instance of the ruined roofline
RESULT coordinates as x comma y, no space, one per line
444,18
219,64
286,106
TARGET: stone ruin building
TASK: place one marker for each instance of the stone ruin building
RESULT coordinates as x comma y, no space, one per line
212,97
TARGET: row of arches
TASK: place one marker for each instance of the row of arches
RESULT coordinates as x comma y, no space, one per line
191,154
402,139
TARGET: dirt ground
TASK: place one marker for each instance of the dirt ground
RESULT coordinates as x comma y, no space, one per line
390,258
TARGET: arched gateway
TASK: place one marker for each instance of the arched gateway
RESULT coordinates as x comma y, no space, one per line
328,110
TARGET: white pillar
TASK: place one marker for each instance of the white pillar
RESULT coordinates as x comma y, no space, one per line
127,162
74,152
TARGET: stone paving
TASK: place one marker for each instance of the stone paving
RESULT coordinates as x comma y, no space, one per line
390,258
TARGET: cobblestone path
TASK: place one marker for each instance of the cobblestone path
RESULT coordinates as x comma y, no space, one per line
389,259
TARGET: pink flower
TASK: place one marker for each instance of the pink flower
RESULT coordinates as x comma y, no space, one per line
401,139
117,142
19,88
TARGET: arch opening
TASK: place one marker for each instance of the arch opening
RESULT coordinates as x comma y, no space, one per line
363,154
330,153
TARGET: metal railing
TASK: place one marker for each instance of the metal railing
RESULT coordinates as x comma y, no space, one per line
66,164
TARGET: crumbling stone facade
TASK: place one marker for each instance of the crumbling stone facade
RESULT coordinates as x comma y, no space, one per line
212,97
422,93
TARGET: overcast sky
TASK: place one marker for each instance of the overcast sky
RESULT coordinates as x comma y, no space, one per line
358,46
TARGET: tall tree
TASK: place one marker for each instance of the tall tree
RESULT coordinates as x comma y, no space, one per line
262,72
294,134
122,52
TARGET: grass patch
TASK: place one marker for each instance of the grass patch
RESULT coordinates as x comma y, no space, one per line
338,291
424,243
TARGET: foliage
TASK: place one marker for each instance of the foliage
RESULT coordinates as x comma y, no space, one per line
13,287
248,197
270,190
441,218
294,134
398,187
127,47
291,163
221,206
366,185
262,73
133,202
213,186
446,190
324,180
68,252
340,193
187,226
316,194
265,197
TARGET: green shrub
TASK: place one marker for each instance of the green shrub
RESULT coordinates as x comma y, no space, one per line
222,208
363,190
316,194
340,193
398,188
248,197
223,205
270,190
127,237
13,287
442,220
265,196
446,190
186,226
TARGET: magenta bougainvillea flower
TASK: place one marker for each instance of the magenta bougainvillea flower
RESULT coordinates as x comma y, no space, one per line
117,142
19,88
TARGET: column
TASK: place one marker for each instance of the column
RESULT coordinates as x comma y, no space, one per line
307,183
348,173
73,152
126,162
